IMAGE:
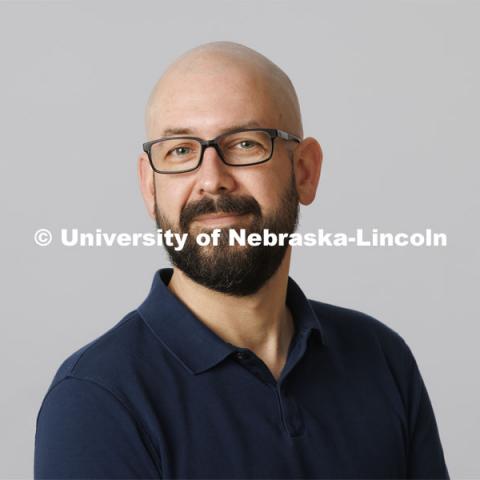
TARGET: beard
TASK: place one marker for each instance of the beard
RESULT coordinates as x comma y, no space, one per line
238,270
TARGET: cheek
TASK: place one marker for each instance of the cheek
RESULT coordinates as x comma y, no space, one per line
266,189
170,199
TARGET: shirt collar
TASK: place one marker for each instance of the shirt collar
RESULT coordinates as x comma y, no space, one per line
195,345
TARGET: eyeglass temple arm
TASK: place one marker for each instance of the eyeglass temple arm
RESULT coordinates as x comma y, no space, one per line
288,136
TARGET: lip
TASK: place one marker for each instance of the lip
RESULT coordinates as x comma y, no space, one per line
218,218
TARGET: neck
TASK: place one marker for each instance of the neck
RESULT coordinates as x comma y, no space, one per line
260,322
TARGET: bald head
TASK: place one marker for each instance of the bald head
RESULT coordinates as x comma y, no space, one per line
223,72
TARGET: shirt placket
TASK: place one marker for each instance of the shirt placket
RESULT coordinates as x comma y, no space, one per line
289,412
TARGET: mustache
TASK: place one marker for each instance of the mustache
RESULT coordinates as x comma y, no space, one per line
240,205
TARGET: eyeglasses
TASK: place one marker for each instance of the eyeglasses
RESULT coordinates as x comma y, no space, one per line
237,148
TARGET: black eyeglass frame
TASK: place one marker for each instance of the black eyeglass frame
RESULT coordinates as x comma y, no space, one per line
272,132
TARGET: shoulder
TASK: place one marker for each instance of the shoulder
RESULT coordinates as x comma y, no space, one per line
353,330
347,321
108,357
87,382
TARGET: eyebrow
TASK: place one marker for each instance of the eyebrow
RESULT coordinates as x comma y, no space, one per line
191,131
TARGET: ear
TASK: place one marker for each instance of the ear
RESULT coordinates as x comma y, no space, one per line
146,177
307,164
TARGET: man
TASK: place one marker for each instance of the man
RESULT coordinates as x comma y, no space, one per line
227,370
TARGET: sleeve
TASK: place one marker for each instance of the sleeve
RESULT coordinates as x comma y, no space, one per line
84,431
426,458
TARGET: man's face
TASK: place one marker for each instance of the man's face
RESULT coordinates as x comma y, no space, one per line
256,197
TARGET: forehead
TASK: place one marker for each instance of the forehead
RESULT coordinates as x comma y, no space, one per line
210,102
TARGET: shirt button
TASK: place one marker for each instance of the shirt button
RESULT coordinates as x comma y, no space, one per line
242,355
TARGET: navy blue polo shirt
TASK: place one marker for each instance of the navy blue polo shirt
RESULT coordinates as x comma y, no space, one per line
160,395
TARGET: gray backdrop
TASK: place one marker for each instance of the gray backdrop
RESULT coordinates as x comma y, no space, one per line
389,88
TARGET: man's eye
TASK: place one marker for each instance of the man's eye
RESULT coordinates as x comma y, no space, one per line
247,144
179,151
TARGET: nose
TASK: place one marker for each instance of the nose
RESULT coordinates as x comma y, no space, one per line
213,176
